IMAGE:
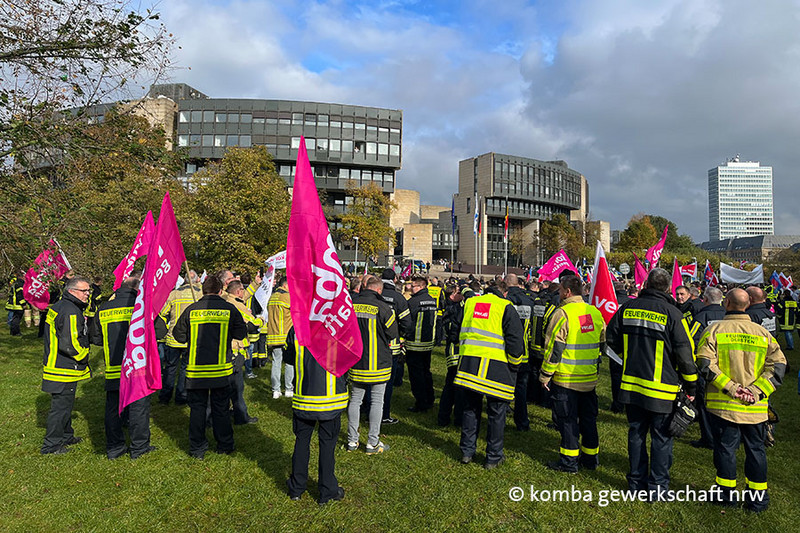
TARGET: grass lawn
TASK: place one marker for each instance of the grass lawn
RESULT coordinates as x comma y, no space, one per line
418,485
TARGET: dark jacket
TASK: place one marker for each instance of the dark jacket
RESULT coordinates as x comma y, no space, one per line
114,317
423,318
707,316
66,345
540,318
405,326
690,308
760,314
652,339
378,325
524,305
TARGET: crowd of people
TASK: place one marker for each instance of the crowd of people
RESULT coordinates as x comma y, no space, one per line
505,340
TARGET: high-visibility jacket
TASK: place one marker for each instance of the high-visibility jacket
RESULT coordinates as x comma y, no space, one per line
208,326
652,337
422,307
436,293
574,341
736,352
66,344
239,347
279,319
786,313
524,306
378,325
178,300
541,312
318,394
114,317
94,300
491,347
400,306
15,295
708,315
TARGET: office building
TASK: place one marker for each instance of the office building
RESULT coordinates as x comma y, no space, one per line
739,200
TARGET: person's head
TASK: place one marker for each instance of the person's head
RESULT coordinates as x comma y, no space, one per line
236,289
619,286
98,280
694,292
78,286
682,294
570,286
502,286
372,283
435,281
213,285
224,276
712,296
512,280
659,280
737,300
756,295
132,281
283,282
475,286
388,274
245,278
193,277
418,283
355,284
787,294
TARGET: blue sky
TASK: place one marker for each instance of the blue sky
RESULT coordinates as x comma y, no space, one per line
641,97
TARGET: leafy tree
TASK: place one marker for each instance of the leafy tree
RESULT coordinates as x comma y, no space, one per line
675,242
558,233
639,235
238,214
368,219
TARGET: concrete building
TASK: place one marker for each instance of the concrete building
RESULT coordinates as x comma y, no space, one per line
739,200
423,232
753,249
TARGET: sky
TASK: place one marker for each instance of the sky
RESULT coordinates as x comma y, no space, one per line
641,97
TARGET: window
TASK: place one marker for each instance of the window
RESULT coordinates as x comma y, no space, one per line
194,140
197,116
232,140
335,123
257,120
183,140
322,145
233,117
183,116
221,117
372,129
366,175
208,116
347,125
310,144
191,168
372,148
322,120
296,143
311,119
284,121
246,118
208,140
347,147
394,150
244,140
297,118
359,147
219,140
335,145
383,149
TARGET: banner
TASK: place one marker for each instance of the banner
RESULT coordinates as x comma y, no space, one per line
677,279
203,276
654,253
322,311
639,273
710,276
141,367
731,274
601,293
264,291
140,247
51,265
786,281
555,266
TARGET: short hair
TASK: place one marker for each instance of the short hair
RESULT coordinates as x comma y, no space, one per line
136,274
213,284
193,277
98,279
420,279
282,281
573,284
684,287
355,283
713,296
694,292
245,278
73,282
371,282
659,280
131,283
502,286
512,280
388,274
234,286
475,286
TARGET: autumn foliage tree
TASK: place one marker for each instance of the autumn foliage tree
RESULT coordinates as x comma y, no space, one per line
368,219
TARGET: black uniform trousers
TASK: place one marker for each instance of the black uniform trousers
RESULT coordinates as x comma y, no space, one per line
655,476
328,434
536,392
521,419
615,370
16,321
220,419
726,442
173,365
576,419
471,424
419,374
703,418
451,400
59,420
138,418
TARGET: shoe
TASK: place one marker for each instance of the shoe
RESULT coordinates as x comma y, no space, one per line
251,420
198,455
700,443
116,455
251,375
522,429
467,459
72,441
389,421
378,448
492,466
351,446
146,450
551,426
289,394
58,451
588,467
339,497
276,394
295,498
558,467
225,452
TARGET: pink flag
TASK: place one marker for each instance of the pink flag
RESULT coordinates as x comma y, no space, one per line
654,253
322,311
51,265
677,280
639,273
601,293
139,248
555,266
141,366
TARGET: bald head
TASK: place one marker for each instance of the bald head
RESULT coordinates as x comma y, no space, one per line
512,280
756,295
737,300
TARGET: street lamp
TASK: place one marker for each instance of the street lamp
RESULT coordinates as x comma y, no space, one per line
356,261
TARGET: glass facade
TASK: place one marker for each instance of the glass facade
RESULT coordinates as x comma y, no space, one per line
740,200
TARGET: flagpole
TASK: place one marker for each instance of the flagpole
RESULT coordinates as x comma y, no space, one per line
189,276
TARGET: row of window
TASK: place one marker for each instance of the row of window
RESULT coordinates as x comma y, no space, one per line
294,119
214,141
444,239
355,174
348,147
519,172
534,189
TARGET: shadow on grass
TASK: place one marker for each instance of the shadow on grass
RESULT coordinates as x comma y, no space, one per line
90,403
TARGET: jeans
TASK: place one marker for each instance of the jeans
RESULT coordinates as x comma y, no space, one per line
240,414
288,377
173,364
789,336
59,419
471,425
15,321
357,391
328,433
640,422
138,415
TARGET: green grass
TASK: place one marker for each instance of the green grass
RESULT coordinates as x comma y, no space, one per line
418,485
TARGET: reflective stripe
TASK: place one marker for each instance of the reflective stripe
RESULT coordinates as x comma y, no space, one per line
588,346
579,362
765,386
722,482
568,452
638,322
590,451
645,391
689,377
754,485
484,332
485,344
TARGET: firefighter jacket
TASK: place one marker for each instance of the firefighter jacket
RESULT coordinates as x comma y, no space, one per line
690,308
786,313
760,314
541,313
208,326
252,323
400,305
707,316
178,300
652,338
66,344
574,341
453,316
15,296
279,320
114,318
436,293
94,300
423,317
524,306
736,352
491,347
318,394
378,325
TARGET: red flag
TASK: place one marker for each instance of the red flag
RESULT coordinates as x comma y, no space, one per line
322,311
141,366
677,280
51,265
654,253
689,270
601,293
140,247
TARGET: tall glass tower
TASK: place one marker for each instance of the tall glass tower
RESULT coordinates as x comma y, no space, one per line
739,200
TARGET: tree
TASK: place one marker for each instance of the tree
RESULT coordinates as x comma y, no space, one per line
558,233
639,235
675,242
368,219
238,214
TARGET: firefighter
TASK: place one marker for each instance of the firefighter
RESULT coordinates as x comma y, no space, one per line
419,345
